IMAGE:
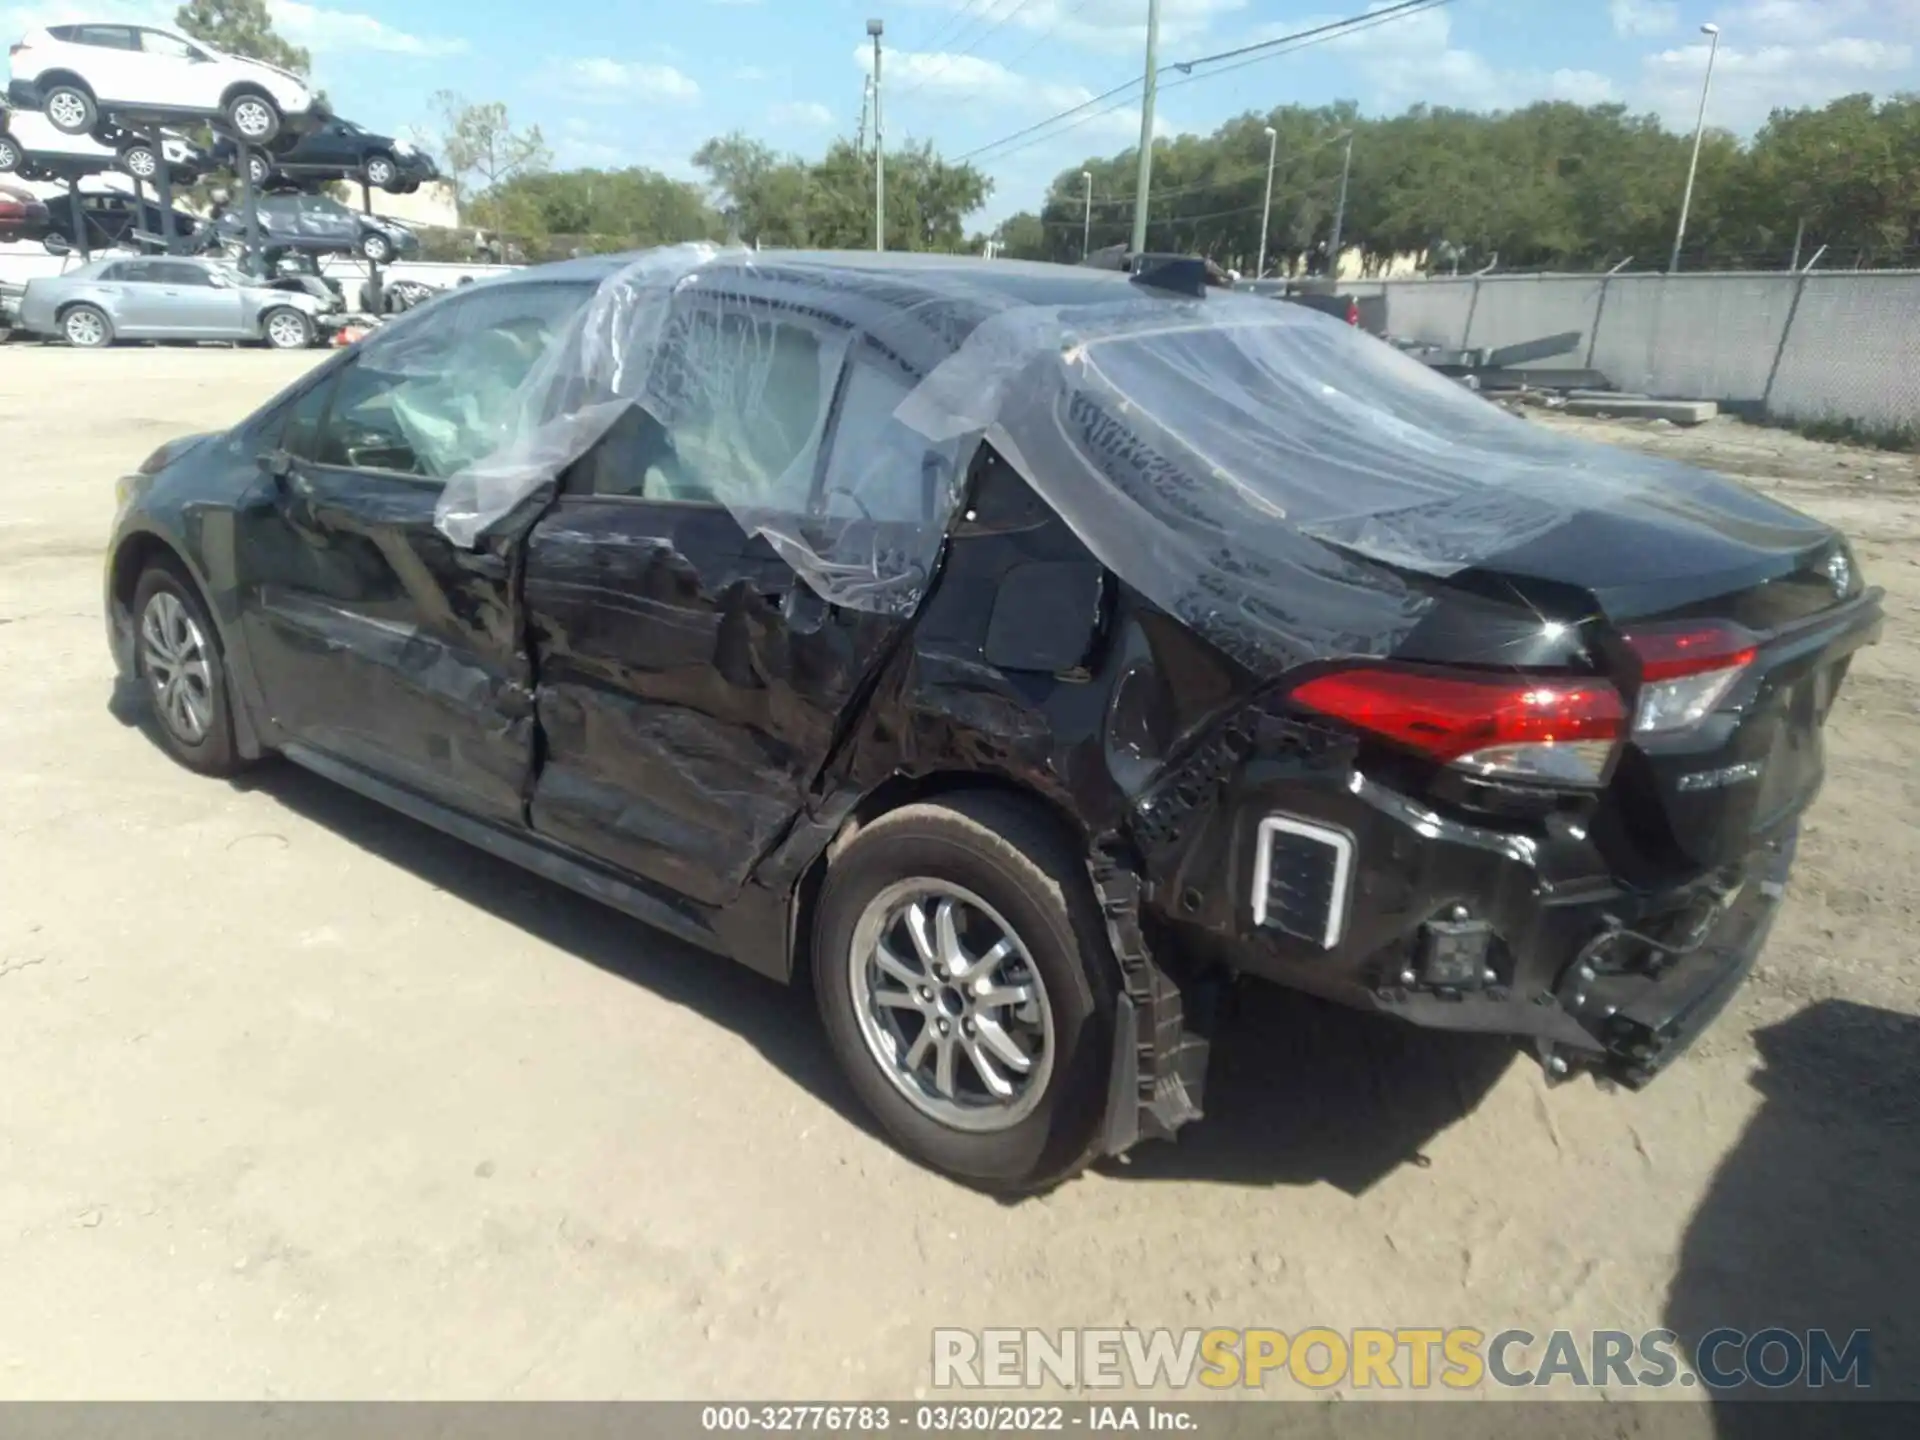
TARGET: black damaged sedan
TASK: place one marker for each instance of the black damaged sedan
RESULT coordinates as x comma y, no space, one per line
1014,653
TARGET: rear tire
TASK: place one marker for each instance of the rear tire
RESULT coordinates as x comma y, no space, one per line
178,662
285,328
70,109
86,328
140,162
253,118
376,247
258,170
9,155
1007,870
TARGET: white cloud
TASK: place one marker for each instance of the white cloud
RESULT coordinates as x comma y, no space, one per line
1644,17
1749,84
1114,26
799,115
942,75
331,31
604,81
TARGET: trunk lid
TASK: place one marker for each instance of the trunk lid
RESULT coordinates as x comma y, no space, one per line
1704,794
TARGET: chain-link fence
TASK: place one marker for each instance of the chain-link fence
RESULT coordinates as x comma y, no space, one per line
1796,347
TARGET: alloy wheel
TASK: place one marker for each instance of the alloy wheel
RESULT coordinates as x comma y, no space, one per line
9,156
287,331
85,329
380,172
141,163
174,656
67,111
951,1006
253,119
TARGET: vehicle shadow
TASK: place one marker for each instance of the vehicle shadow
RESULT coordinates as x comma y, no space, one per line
1300,1091
1303,1092
1810,1221
777,1020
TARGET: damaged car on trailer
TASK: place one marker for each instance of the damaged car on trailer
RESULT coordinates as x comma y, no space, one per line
1013,652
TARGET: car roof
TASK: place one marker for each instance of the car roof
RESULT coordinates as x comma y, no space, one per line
919,307
1028,282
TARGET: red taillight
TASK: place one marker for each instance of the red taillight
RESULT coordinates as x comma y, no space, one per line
1353,312
1508,726
1685,671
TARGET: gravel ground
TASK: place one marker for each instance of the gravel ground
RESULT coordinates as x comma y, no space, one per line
303,1100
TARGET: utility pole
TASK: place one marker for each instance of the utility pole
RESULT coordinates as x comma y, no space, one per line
1340,210
1086,230
876,28
1266,205
1145,185
1699,129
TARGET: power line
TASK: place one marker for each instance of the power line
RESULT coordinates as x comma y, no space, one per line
1047,34
948,59
1245,54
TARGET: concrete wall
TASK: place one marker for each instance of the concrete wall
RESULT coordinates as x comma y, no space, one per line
1796,347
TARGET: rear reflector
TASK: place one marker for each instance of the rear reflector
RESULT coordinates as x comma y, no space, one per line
1686,671
1502,726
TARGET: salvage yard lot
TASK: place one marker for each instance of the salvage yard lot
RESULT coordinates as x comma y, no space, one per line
303,1100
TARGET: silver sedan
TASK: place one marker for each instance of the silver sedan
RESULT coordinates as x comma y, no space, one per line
167,298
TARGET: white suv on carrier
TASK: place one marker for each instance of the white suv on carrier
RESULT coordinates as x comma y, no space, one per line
77,74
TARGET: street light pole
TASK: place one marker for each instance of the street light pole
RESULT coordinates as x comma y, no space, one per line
1086,230
1699,129
1340,210
1266,206
1145,183
876,28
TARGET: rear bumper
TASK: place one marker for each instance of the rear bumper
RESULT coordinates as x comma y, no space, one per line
1524,932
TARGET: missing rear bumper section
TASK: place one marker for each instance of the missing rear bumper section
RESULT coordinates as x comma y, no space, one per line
1369,899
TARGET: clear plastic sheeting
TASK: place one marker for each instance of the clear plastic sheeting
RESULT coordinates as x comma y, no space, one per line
1276,479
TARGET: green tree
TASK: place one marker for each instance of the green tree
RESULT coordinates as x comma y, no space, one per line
782,200
242,27
603,210
483,152
1553,185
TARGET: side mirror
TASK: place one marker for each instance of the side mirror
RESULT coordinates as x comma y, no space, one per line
275,464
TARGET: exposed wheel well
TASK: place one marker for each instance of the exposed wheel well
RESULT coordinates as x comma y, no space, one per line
132,560
891,795
60,315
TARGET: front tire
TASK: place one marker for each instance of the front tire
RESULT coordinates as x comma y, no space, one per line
253,118
140,162
962,971
381,172
86,328
70,110
177,658
376,247
285,328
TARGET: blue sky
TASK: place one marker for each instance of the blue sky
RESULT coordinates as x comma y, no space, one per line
644,83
